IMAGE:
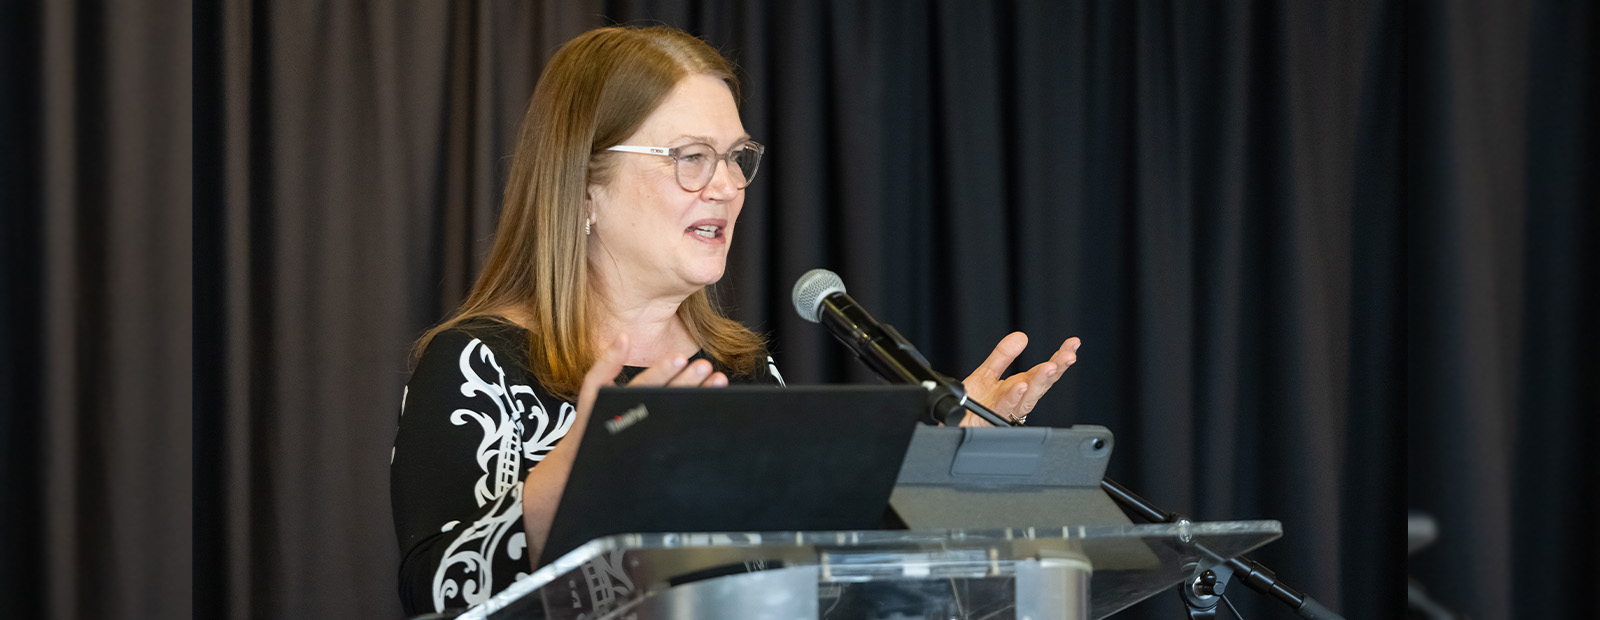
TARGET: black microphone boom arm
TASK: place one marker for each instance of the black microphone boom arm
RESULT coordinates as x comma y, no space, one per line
881,347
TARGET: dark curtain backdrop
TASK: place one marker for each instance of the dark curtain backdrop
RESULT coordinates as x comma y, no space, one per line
95,310
1330,261
1503,279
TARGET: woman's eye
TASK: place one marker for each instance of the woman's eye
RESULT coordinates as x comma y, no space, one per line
692,158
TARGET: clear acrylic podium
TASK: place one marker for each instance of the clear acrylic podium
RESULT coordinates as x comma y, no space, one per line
1069,573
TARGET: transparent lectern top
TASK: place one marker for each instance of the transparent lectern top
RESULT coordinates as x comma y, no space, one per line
1128,563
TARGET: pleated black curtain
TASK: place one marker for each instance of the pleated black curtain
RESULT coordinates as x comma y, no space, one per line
95,349
1503,278
1329,261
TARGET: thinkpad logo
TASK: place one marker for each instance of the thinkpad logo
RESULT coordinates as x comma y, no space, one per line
627,419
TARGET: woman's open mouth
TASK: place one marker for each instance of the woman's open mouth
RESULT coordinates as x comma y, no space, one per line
708,230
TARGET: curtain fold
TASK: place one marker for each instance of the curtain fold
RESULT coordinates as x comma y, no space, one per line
97,294
1504,284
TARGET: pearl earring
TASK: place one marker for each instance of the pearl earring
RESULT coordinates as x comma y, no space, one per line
586,229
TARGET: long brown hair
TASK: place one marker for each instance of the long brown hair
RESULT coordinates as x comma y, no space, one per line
596,92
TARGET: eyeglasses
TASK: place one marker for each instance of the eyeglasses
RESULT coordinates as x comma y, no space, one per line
697,163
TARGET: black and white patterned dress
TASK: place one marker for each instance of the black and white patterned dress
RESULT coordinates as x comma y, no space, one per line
473,421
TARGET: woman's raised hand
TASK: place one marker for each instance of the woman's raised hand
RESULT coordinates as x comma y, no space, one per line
1015,396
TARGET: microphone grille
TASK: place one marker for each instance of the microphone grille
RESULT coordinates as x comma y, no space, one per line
811,288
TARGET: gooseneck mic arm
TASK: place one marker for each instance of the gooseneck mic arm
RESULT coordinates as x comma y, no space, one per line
820,297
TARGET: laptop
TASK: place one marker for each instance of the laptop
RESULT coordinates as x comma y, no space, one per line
736,459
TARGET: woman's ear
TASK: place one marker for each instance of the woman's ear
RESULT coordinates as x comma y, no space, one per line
589,210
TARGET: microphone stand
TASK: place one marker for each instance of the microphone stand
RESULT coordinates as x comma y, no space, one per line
1200,594
896,360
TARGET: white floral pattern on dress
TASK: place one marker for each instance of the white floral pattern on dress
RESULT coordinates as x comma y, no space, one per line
511,429
466,572
501,448
471,554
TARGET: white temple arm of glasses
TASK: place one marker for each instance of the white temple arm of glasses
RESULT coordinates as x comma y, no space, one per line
648,150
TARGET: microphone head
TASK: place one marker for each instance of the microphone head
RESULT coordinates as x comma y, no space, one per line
811,288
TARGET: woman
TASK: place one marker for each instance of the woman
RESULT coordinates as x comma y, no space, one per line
625,189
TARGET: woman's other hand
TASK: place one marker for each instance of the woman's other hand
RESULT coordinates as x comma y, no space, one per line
544,484
679,372
1015,396
672,372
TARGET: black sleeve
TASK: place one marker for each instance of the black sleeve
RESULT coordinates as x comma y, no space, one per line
472,422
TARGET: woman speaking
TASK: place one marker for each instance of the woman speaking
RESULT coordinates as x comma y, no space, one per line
623,197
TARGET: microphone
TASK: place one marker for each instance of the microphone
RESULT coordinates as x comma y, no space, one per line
820,297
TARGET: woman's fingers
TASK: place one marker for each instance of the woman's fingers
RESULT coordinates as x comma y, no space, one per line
1067,355
602,373
1042,377
1011,399
1007,350
663,373
696,373
1018,395
680,372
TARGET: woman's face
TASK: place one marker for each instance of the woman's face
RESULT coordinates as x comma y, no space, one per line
650,235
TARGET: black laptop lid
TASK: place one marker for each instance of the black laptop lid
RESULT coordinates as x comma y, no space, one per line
735,459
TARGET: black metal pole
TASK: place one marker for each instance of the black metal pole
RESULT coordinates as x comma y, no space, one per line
1252,573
